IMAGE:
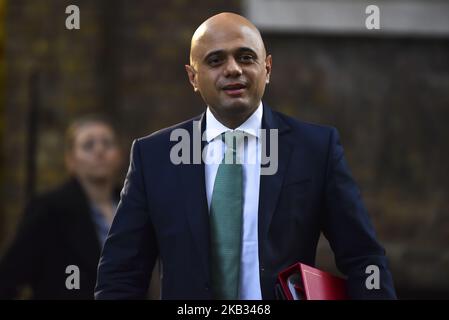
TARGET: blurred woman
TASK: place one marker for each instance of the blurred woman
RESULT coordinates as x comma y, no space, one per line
67,226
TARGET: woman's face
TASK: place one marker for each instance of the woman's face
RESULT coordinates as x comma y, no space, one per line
95,155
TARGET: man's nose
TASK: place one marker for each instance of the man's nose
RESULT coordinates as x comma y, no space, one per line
232,68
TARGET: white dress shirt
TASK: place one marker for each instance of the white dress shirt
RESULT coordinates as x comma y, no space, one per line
249,286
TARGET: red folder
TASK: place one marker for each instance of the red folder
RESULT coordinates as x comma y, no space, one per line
302,282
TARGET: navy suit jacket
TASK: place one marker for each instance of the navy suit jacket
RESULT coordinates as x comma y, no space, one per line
163,213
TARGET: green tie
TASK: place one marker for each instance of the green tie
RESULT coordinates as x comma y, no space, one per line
226,222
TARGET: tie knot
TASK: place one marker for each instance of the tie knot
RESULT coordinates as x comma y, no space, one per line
233,140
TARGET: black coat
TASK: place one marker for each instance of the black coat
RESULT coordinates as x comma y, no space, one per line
56,231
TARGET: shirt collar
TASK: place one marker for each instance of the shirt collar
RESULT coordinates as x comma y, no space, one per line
251,126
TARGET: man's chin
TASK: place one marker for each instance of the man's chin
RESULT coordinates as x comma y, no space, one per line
237,106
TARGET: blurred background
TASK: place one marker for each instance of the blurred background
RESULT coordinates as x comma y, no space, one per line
387,92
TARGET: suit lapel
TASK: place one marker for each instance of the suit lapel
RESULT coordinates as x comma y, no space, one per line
193,187
271,185
192,177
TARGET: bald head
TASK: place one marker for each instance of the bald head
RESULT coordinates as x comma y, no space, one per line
229,67
221,27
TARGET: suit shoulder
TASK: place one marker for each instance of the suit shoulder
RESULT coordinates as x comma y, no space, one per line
163,135
307,129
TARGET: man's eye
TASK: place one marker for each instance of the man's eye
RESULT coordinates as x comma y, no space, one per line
214,61
246,58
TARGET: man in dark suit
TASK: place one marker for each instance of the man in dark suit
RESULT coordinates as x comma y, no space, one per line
223,229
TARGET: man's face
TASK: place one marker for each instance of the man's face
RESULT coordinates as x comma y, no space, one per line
230,69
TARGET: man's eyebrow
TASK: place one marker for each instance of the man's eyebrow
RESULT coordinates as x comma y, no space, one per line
246,49
221,52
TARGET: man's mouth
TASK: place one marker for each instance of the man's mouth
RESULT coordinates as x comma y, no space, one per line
234,89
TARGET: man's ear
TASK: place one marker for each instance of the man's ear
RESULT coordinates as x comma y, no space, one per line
191,73
268,64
